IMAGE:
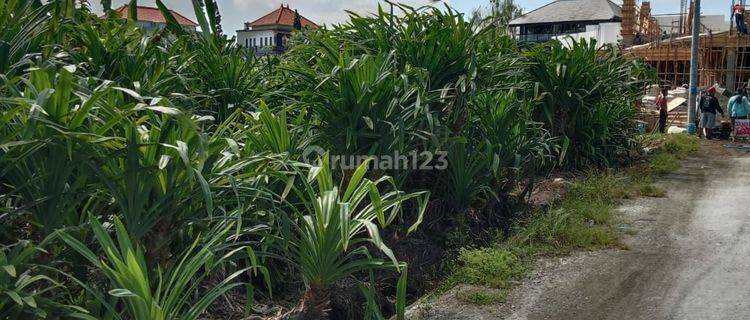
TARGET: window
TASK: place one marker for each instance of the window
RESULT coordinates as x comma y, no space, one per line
247,43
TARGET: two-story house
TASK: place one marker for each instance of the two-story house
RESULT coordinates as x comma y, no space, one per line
269,33
565,17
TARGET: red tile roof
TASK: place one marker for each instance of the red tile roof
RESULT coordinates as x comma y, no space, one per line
151,14
281,16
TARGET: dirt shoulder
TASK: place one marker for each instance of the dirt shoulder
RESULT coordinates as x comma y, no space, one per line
685,259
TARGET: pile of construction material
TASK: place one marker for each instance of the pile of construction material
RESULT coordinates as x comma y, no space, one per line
677,100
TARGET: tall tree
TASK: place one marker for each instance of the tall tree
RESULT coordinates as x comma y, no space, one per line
297,20
499,14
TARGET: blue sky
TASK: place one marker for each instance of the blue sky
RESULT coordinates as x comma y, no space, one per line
236,12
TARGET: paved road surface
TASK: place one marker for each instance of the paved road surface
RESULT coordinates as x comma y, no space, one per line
690,257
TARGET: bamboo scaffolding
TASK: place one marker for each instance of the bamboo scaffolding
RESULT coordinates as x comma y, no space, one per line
724,57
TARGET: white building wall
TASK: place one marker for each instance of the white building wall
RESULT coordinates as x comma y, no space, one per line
603,33
256,38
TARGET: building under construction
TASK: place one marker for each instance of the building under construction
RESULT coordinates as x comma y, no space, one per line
724,56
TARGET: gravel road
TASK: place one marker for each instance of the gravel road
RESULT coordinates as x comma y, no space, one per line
688,258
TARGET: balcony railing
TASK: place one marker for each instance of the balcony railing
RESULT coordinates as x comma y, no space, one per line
540,37
266,50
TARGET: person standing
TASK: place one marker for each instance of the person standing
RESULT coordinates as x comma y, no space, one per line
738,107
739,18
709,106
661,103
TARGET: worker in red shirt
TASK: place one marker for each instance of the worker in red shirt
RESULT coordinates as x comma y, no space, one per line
661,103
739,18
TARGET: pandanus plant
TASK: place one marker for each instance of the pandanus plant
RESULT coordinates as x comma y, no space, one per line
23,30
172,291
48,131
586,99
330,238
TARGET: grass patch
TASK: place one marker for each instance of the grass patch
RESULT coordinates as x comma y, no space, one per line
663,163
650,190
582,221
681,145
481,297
669,150
493,267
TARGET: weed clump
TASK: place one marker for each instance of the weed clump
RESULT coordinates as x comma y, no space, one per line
482,297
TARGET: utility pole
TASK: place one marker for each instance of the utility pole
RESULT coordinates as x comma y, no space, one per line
694,67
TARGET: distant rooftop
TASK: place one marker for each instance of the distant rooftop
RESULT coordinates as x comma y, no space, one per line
282,16
571,11
154,15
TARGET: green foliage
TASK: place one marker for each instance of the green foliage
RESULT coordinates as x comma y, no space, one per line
492,267
664,163
25,292
586,97
467,174
24,27
669,150
418,39
172,294
582,221
650,190
519,146
46,144
327,241
362,104
681,145
168,161
481,297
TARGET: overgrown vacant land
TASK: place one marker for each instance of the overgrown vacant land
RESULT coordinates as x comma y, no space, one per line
169,175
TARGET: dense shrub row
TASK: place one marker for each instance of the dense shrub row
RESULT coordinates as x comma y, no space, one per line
145,176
